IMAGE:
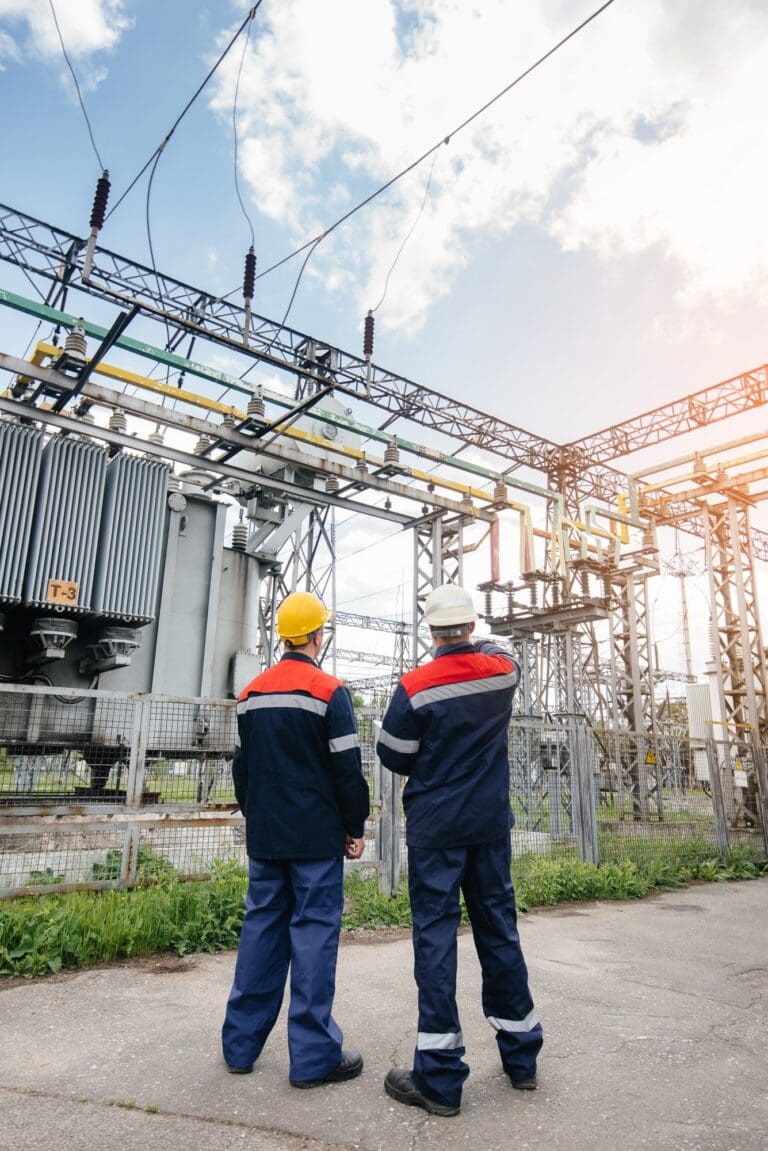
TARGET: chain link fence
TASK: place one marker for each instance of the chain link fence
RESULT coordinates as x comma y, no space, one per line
107,789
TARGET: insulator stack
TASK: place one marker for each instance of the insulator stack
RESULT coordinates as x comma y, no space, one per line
534,590
117,421
249,276
466,504
607,587
98,215
584,579
362,466
88,418
202,445
648,538
368,336
75,344
488,605
331,484
174,483
100,200
228,422
391,454
249,287
256,407
499,492
156,438
239,537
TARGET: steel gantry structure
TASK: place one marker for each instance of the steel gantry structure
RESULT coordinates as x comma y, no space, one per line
292,455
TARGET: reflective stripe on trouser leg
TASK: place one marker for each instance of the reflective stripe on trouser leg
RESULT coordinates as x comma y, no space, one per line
262,963
433,883
314,1038
507,1001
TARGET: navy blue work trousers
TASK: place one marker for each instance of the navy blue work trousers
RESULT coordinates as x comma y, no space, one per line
292,917
435,878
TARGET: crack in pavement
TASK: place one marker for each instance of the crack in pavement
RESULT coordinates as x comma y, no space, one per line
694,995
303,1142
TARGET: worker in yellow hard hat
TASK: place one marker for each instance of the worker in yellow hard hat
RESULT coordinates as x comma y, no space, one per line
299,783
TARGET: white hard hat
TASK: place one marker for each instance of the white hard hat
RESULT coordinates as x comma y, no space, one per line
449,606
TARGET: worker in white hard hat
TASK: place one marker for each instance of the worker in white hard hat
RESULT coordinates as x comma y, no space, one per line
299,783
446,729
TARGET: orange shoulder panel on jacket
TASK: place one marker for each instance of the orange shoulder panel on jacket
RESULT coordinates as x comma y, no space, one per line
293,675
454,669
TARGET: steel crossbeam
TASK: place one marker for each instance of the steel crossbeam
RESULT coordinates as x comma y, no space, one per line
52,253
731,397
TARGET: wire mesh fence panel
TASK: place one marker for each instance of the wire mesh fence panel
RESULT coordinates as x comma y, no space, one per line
740,790
45,858
653,799
63,747
189,747
368,723
541,764
189,850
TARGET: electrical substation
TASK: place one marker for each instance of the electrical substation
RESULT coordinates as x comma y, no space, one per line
155,509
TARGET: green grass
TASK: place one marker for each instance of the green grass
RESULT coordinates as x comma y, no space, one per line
48,933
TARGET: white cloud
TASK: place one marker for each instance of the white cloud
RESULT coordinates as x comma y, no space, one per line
87,26
647,131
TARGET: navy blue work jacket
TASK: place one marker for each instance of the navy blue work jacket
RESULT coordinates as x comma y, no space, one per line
297,767
446,728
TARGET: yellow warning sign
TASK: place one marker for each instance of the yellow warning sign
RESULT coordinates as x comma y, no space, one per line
650,758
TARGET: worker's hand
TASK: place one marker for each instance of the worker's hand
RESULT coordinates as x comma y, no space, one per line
353,848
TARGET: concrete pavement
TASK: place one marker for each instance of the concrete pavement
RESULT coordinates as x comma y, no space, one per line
655,1016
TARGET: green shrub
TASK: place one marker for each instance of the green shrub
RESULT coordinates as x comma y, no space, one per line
40,934
44,878
149,866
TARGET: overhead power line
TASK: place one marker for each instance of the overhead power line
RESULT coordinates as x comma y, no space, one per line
159,149
445,140
77,86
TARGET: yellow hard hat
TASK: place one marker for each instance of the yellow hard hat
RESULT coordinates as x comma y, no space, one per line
299,615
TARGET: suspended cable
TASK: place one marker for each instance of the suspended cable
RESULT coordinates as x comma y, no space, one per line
445,140
313,244
77,86
234,131
186,107
379,591
152,256
407,238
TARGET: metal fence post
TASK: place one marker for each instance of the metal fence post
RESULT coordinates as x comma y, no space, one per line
134,786
758,760
129,862
718,803
583,797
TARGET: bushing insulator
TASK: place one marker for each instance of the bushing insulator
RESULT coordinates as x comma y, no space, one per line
256,405
239,537
75,345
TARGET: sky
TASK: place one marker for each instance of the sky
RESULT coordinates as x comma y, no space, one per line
591,246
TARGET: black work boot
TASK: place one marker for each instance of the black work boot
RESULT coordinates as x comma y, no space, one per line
350,1067
399,1085
524,1084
